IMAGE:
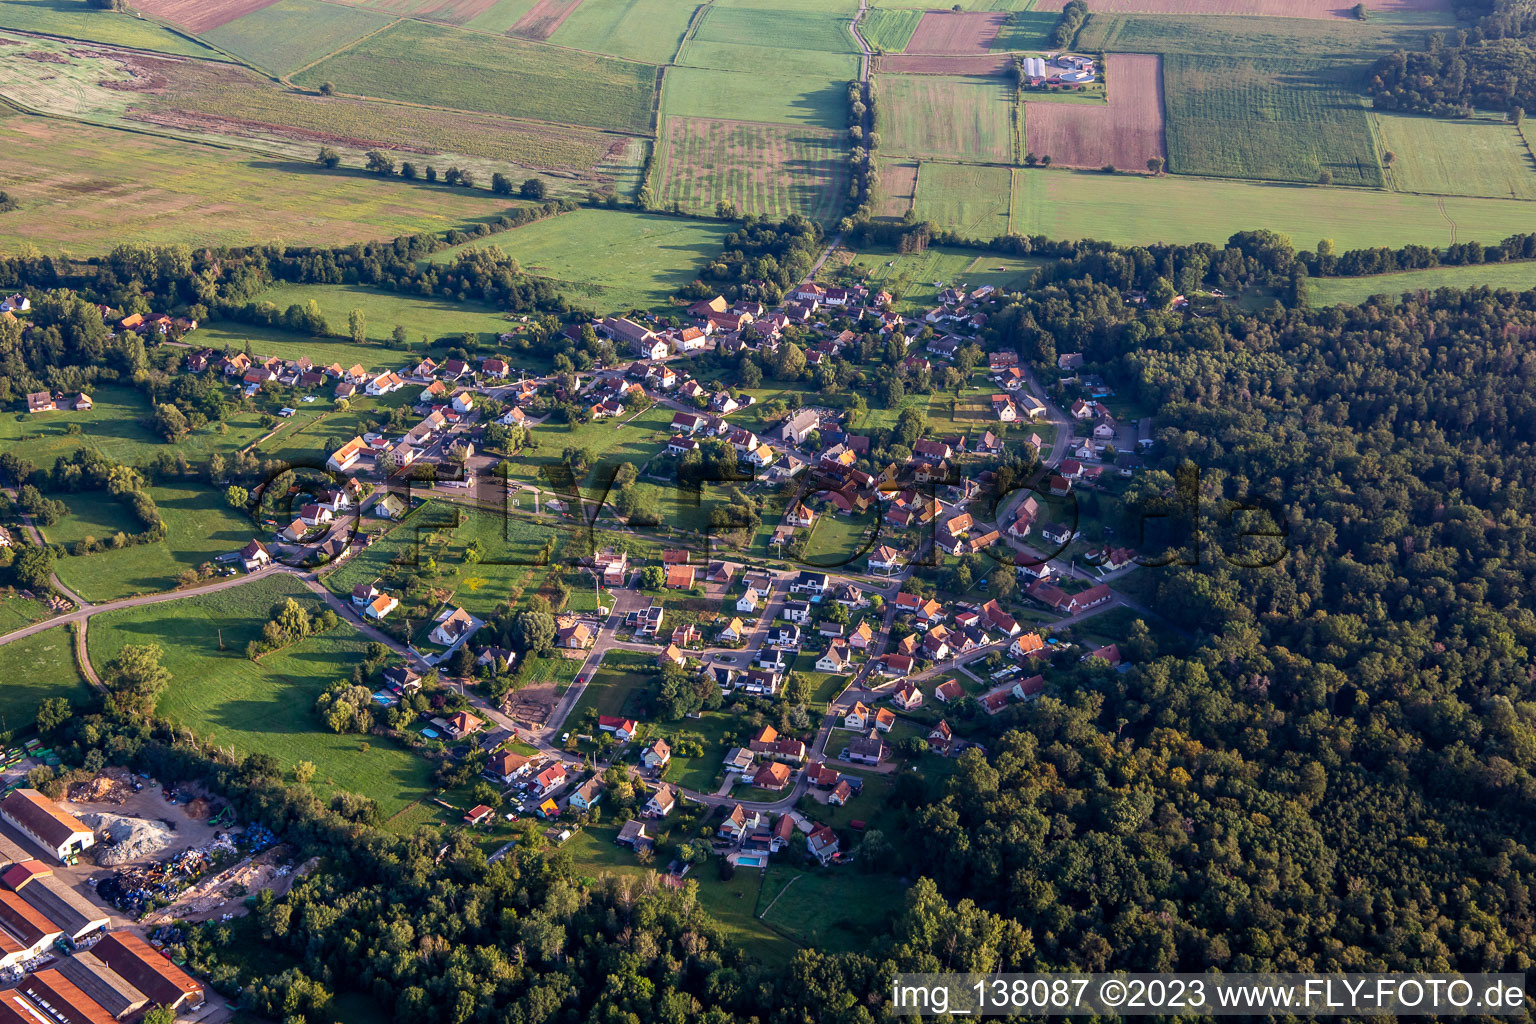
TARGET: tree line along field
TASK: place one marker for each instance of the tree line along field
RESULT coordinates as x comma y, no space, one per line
1137,209
285,36
83,189
931,117
266,707
1279,119
1475,157
415,62
204,100
761,169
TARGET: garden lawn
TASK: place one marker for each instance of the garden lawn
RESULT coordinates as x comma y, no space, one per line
700,774
733,904
200,526
1475,157
614,259
91,514
1329,291
34,669
835,910
268,708
837,541
17,611
622,685
1137,209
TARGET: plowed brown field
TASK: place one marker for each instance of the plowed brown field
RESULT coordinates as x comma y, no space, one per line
955,32
920,64
546,16
1126,131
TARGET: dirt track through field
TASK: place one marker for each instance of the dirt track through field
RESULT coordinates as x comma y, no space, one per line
923,64
963,33
1126,132
200,15
1271,8
546,16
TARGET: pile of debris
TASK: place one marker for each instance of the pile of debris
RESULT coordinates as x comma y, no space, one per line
112,786
121,839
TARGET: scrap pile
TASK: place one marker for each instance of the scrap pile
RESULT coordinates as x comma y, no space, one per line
124,839
112,786
137,889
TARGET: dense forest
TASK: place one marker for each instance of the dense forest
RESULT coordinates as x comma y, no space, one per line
1491,66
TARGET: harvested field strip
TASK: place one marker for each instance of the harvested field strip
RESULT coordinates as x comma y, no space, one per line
788,30
933,118
1238,36
762,169
1137,209
291,34
1331,9
83,189
417,62
970,200
918,64
546,16
889,30
1273,119
1126,132
198,16
961,33
1483,157
898,188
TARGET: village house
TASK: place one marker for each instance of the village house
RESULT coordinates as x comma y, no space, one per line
453,628
657,754
622,728
347,456
949,691
837,660
941,738
578,636
821,843
587,795
507,767
907,697
867,749
255,556
661,801
379,608
463,724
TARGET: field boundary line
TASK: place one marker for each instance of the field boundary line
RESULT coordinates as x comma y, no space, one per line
689,33
1379,146
288,78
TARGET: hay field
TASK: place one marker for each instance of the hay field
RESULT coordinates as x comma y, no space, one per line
763,169
965,198
289,34
1480,157
941,118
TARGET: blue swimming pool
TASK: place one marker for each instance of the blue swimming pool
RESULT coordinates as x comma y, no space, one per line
751,860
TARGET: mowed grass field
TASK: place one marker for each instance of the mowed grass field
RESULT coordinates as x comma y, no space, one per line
761,93
383,311
965,198
268,708
82,19
290,34
889,30
648,30
1278,120
415,62
1481,157
1138,209
200,526
932,117
763,169
789,28
614,259
84,189
116,426
37,668
1329,291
